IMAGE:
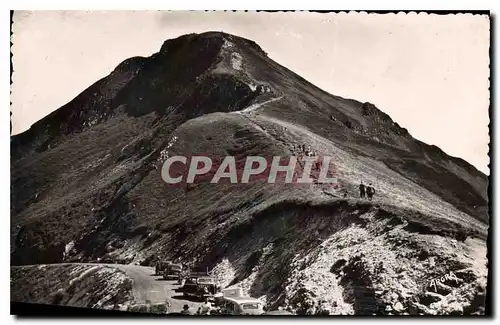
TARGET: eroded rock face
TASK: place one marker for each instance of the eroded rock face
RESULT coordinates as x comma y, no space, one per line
383,273
91,286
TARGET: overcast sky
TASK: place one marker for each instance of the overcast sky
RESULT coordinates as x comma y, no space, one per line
428,72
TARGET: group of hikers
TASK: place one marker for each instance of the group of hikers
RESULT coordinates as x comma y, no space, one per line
364,191
306,150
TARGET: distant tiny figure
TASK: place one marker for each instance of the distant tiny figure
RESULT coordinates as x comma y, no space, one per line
345,193
370,191
362,191
317,165
185,310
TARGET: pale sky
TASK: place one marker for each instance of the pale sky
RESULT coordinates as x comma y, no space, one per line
428,72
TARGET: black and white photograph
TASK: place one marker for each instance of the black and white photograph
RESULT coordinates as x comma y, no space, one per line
250,163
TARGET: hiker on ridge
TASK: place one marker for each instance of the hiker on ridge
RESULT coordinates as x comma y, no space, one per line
370,191
362,190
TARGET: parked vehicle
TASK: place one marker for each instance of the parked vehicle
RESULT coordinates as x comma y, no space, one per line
208,286
242,306
160,267
233,302
190,286
172,271
200,287
199,271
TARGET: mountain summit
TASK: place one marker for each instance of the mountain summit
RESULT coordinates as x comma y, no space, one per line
86,186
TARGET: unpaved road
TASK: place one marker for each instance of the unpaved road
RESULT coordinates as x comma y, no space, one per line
147,287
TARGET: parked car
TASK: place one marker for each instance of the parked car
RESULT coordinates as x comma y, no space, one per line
198,271
242,306
200,287
172,271
160,267
189,287
208,285
234,302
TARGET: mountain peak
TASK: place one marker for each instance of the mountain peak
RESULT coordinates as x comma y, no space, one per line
207,40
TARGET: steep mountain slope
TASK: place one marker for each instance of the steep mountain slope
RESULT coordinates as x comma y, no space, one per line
86,184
